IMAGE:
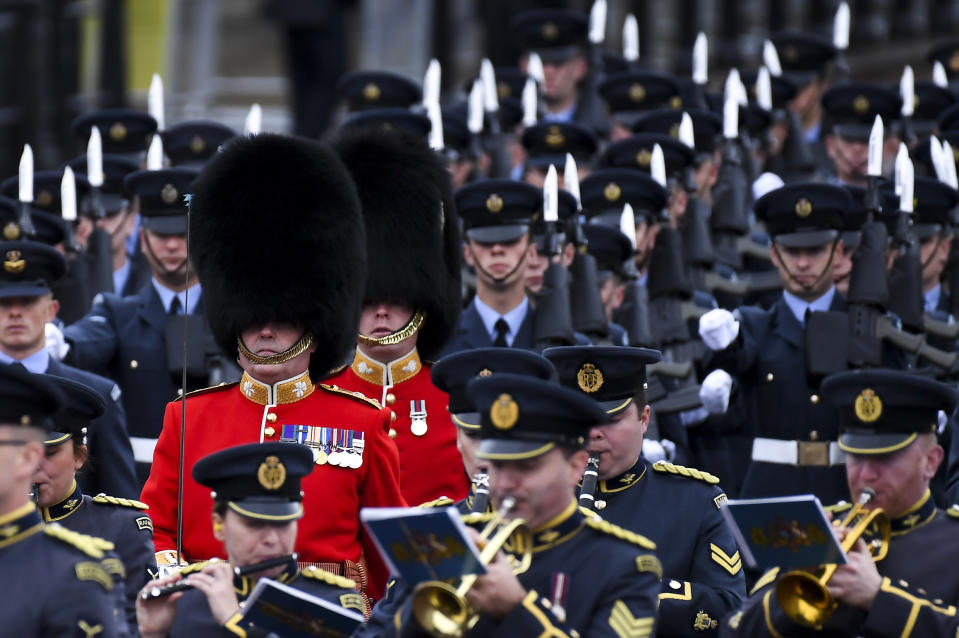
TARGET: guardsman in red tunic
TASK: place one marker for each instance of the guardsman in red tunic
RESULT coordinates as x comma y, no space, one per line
411,303
283,297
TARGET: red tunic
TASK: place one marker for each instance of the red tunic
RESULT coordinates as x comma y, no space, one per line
248,412
430,463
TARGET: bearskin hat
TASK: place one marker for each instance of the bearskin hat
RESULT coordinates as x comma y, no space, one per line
412,229
276,235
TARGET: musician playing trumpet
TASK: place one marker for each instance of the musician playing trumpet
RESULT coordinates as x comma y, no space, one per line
256,504
586,577
674,506
888,427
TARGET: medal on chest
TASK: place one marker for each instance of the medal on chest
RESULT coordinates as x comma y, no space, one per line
418,417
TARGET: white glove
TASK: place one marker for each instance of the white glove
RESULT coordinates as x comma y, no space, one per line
56,345
653,451
670,448
718,328
714,392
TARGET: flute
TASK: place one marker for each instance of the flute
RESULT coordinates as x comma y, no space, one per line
481,498
590,477
159,592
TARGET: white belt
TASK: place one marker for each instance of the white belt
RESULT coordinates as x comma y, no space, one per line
143,449
800,453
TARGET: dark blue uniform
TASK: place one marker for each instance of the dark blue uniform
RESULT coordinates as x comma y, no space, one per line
194,618
56,585
471,332
110,466
120,521
123,338
678,509
917,596
777,400
611,582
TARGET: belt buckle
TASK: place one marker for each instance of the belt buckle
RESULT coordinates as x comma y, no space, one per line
813,453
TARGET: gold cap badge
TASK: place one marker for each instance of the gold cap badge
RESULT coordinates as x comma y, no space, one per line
549,31
860,104
118,132
674,130
589,378
371,92
503,90
494,203
197,144
676,102
11,231
169,194
644,157
555,138
637,92
44,198
612,192
868,406
14,263
485,372
803,207
272,473
504,412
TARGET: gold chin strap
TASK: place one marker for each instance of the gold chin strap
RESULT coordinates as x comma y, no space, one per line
414,324
292,352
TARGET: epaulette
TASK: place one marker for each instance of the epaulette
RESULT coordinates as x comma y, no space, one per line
442,501
690,472
838,508
337,370
623,534
588,513
358,396
92,546
212,388
953,512
329,578
122,502
765,579
477,517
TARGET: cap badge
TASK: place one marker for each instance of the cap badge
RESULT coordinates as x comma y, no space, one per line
637,92
14,263
494,203
550,31
954,61
11,231
790,53
25,419
860,104
485,372
915,203
272,473
803,207
589,378
371,92
503,90
868,406
504,412
612,192
197,144
643,157
44,198
676,102
674,130
555,138
169,194
118,132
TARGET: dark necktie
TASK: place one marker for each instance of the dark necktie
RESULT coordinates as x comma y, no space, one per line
175,306
501,328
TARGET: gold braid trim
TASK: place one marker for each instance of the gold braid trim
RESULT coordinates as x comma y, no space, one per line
292,352
414,324
316,573
690,472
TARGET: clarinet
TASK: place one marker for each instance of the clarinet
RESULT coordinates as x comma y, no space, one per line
159,592
35,494
590,477
481,498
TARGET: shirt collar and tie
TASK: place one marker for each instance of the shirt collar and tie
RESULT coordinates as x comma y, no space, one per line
931,298
120,276
188,298
513,319
37,363
799,307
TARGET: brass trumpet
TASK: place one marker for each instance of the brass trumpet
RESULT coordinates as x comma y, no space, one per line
441,608
803,595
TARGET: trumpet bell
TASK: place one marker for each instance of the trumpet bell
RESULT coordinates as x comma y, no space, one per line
440,609
804,598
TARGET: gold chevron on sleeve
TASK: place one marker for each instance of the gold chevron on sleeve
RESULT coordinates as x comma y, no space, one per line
731,564
622,621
